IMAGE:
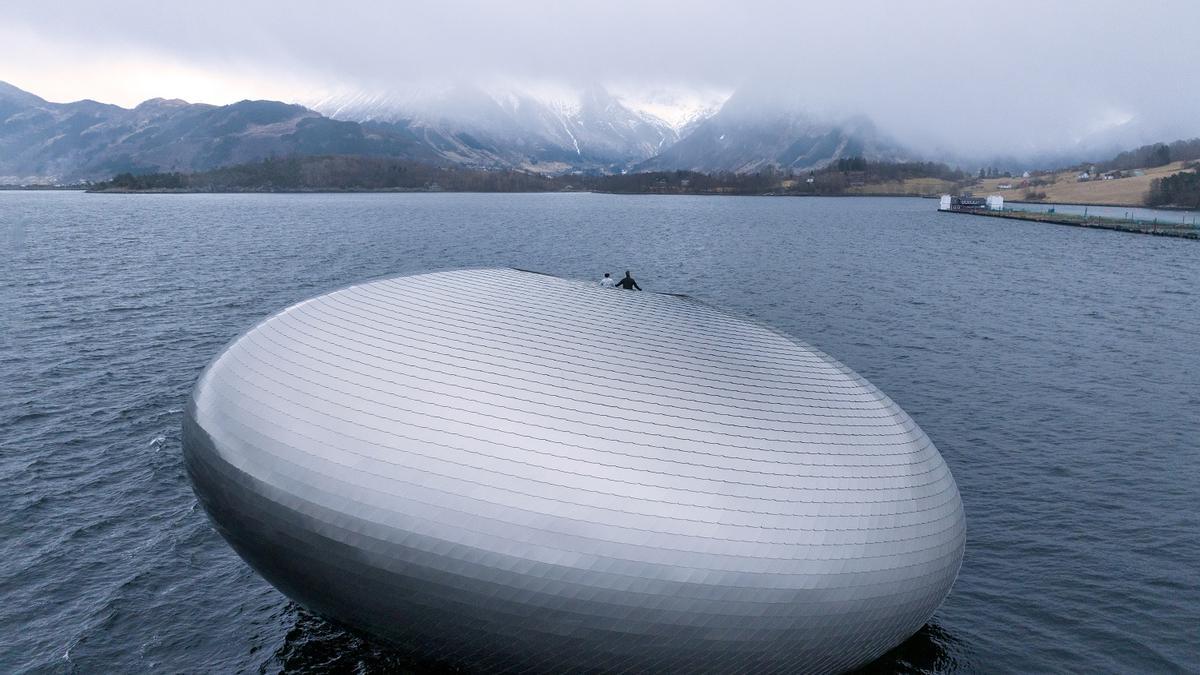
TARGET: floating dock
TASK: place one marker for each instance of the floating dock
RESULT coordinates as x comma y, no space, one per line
1160,228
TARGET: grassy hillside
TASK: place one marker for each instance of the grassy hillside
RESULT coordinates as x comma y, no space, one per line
1066,189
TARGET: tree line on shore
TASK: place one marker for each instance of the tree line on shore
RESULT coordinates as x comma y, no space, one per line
1181,189
354,173
350,173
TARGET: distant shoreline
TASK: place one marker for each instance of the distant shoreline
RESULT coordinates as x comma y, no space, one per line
295,191
165,191
43,188
1087,186
162,191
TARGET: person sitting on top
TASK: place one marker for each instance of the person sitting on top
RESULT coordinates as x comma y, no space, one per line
608,281
628,283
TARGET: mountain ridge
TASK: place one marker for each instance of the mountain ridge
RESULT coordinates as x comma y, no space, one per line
586,131
473,126
45,142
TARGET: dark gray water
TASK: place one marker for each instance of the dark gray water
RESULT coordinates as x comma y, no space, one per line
1057,368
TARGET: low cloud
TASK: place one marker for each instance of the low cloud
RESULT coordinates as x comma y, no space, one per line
983,77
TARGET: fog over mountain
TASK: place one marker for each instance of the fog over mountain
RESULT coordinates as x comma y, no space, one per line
549,131
958,79
46,142
559,129
624,84
764,128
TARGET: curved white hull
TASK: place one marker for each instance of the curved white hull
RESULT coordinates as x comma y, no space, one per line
507,470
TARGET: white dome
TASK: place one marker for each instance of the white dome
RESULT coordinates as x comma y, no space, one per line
499,469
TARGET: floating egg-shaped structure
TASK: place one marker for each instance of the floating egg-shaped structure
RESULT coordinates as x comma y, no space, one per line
508,471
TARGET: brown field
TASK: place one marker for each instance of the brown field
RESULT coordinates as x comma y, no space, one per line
1119,192
908,186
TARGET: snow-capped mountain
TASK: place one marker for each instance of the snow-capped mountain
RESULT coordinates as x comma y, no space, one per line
545,129
681,108
538,127
754,130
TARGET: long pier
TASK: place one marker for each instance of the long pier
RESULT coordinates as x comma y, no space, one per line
1155,227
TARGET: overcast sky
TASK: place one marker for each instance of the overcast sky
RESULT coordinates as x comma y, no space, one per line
1006,74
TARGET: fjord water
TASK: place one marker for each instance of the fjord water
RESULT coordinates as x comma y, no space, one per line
1056,368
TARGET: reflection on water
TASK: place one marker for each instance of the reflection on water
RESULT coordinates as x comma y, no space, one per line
930,650
314,645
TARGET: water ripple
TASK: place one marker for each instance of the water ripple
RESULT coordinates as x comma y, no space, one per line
1056,368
